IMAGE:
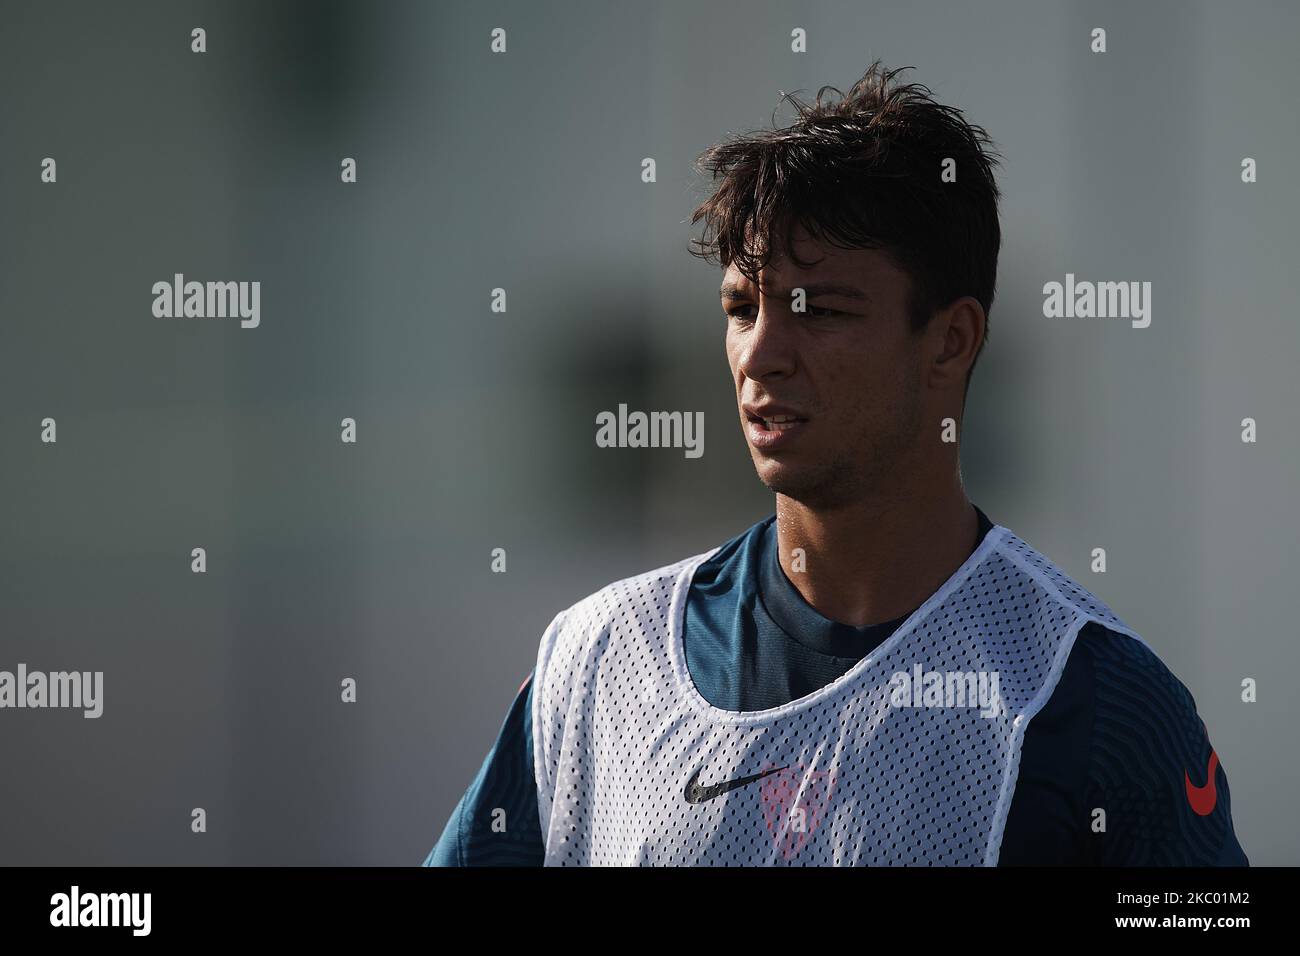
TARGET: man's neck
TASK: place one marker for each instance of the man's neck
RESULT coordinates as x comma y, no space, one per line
875,560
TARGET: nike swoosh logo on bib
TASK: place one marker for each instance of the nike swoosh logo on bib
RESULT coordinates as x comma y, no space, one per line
697,794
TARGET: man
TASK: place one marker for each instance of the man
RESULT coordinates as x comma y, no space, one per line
877,674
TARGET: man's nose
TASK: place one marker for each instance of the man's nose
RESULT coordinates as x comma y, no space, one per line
769,348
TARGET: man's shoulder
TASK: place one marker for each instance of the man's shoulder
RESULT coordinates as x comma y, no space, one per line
645,591
1053,581
645,601
1129,680
1136,690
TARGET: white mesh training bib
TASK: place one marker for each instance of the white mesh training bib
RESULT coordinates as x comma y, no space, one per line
635,767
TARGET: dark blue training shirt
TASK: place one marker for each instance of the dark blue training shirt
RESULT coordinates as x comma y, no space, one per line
1120,731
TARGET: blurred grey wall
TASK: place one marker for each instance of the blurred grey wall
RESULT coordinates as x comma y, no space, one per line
475,429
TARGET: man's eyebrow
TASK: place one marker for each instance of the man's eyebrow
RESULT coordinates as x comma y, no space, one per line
731,292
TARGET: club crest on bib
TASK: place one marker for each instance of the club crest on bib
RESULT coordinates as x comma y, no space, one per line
794,802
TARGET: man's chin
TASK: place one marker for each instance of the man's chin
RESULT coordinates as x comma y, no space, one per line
797,484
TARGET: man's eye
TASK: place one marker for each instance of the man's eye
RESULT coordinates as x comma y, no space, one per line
741,314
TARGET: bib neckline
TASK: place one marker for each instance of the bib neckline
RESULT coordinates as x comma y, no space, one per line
698,703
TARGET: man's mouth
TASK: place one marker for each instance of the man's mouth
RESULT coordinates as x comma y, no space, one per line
771,427
778,423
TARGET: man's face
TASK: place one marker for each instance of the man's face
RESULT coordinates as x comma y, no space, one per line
845,374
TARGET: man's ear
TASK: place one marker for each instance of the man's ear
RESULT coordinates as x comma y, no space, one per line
958,330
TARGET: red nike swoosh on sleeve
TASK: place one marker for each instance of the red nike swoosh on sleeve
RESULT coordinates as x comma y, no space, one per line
1203,799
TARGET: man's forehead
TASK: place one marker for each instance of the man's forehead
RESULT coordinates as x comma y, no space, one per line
830,265
848,273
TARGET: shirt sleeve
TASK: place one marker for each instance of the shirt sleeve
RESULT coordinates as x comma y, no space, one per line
1153,768
496,823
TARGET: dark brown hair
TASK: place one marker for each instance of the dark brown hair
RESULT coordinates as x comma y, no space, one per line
862,172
